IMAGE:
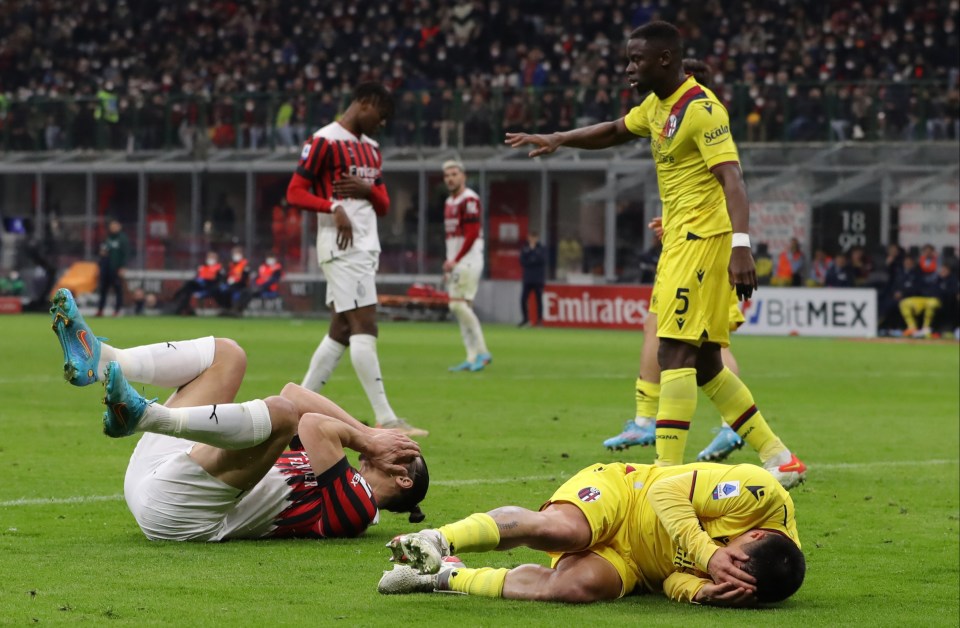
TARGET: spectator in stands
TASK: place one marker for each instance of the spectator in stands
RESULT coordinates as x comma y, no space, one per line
533,261
790,266
266,284
114,253
235,281
888,299
476,121
569,257
860,266
204,283
947,291
839,274
928,261
819,267
12,285
493,43
909,293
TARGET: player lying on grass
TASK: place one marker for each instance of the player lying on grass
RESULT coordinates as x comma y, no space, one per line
209,469
702,533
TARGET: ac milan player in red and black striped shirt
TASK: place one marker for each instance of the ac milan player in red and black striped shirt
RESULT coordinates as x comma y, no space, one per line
338,177
209,469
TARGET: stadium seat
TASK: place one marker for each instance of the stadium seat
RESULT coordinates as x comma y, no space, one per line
81,278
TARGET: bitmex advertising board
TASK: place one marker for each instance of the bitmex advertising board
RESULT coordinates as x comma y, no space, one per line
850,312
598,307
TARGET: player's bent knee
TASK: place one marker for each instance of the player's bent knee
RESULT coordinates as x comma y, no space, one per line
283,414
226,350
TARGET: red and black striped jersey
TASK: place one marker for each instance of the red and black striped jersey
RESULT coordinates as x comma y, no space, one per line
336,503
331,154
291,501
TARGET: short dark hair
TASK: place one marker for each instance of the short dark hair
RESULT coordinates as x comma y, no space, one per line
409,500
663,33
777,564
376,94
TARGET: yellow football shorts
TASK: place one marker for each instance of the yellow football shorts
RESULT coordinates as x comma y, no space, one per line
604,496
691,294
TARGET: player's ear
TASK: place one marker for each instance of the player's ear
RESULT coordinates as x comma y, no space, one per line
404,481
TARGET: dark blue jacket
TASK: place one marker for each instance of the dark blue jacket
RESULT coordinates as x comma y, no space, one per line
533,260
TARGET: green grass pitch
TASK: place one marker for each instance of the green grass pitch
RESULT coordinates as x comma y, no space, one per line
876,422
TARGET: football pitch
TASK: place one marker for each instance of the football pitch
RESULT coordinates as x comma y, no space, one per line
878,424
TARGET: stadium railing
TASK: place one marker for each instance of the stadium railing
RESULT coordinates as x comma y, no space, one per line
450,118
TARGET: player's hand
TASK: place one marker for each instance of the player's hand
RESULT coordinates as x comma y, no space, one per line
545,144
656,225
724,568
350,186
391,451
344,228
743,272
724,594
448,266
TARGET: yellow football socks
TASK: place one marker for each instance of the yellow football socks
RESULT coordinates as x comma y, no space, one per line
485,581
648,398
735,403
678,402
476,533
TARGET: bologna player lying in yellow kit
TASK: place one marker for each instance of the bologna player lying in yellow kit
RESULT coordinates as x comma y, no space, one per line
703,533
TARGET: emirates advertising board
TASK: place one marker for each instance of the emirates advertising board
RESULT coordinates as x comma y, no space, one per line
595,307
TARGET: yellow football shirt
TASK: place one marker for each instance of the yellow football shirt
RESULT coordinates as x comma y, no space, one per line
686,513
689,136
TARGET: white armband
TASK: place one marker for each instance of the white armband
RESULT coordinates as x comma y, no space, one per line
741,239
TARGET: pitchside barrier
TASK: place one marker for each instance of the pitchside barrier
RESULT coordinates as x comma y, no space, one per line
848,312
842,312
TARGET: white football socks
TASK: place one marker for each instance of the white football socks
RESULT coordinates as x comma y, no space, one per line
363,354
470,329
226,425
167,364
324,360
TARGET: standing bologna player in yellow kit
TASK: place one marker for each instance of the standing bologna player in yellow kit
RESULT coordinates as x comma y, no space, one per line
705,213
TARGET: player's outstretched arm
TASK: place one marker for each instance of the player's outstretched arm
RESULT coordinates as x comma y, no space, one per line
594,137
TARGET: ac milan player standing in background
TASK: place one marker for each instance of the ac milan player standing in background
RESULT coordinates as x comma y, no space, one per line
464,264
339,177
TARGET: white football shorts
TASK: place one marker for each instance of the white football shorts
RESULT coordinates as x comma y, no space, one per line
171,497
464,280
351,280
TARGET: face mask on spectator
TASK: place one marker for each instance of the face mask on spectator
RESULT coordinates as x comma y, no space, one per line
211,261
271,261
237,257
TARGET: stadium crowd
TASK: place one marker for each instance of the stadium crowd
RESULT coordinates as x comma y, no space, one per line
122,74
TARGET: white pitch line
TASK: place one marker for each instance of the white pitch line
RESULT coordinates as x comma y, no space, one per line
836,466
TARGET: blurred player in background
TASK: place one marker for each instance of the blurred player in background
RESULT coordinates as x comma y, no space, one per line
209,469
463,266
339,178
701,533
706,246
